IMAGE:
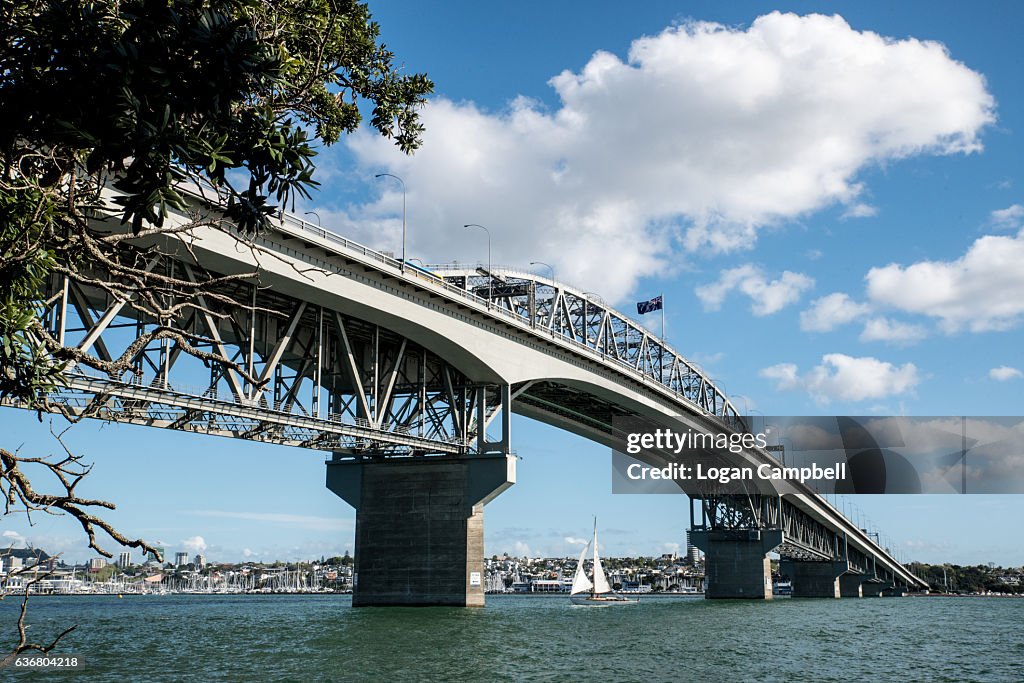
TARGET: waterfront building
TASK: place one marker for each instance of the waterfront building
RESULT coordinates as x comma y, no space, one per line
180,559
96,564
692,552
200,562
124,560
14,559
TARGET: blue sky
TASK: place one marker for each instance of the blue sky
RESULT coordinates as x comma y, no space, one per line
831,205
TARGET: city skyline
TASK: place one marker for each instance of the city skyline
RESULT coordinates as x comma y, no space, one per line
862,258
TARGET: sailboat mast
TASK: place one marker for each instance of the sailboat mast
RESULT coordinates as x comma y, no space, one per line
600,580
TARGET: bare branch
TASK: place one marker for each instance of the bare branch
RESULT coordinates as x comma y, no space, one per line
23,643
20,495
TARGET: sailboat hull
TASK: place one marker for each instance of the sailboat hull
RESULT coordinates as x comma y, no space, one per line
588,600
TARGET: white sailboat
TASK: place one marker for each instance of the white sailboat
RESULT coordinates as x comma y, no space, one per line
596,593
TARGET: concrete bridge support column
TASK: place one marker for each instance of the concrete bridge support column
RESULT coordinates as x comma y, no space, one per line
851,585
873,590
814,579
736,563
420,526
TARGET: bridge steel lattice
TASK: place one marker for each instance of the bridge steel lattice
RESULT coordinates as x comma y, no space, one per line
325,380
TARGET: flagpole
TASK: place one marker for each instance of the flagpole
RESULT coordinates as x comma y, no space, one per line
661,361
662,318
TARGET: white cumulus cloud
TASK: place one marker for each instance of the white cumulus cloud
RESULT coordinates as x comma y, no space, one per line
195,544
846,378
1005,373
702,136
521,549
1010,218
860,211
828,312
13,539
980,291
766,296
894,331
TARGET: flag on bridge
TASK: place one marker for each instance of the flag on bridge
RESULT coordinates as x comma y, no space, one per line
651,306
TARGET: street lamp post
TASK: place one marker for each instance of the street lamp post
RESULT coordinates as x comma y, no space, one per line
490,277
746,406
533,313
314,213
389,175
547,265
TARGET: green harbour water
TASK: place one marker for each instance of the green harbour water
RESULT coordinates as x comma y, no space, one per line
314,638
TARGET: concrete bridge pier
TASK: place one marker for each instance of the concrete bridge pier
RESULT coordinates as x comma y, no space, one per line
851,585
736,563
420,526
872,589
815,579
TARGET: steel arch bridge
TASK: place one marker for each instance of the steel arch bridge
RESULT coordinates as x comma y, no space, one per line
362,355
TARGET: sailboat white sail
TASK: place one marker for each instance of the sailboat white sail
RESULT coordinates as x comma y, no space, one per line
580,582
600,582
597,593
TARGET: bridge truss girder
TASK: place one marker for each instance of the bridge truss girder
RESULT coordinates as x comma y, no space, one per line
317,378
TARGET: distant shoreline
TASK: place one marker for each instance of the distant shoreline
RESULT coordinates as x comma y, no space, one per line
643,596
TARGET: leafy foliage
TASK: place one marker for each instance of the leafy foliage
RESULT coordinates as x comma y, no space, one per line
970,579
324,91
26,369
159,91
